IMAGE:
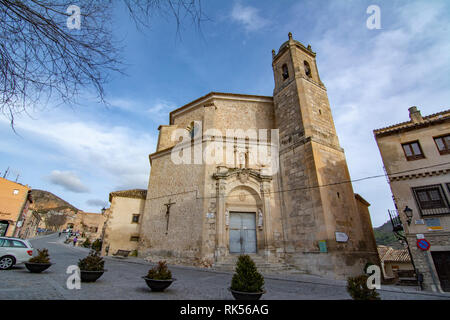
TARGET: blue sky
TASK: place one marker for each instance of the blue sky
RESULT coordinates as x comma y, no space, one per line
372,77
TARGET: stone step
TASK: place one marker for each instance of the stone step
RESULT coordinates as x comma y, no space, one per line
262,270
229,264
264,266
256,259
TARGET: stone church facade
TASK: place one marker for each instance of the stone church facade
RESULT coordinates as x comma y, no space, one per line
294,208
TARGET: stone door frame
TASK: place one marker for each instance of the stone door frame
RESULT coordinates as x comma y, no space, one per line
228,179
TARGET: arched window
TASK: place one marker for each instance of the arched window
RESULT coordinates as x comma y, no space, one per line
192,128
285,71
307,69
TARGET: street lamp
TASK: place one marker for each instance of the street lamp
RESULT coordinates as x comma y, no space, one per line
409,214
397,228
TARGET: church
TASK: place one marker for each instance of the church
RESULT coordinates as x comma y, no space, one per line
260,175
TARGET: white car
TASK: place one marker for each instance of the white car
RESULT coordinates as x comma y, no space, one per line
14,251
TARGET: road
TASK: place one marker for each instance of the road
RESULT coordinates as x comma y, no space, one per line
123,280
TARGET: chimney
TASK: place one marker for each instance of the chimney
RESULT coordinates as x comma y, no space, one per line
414,115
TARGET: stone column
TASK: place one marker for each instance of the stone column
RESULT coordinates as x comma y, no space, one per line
268,235
220,218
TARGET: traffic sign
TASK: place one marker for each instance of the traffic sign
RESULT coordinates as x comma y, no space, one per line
423,244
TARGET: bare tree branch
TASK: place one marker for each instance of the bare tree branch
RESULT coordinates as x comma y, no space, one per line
42,60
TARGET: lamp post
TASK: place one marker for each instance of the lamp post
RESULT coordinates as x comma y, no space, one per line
409,214
398,228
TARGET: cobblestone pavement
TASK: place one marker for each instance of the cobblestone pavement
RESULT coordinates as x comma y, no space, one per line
123,280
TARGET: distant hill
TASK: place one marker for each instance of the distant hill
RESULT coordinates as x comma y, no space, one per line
44,200
385,236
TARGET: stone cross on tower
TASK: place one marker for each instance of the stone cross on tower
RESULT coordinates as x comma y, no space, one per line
168,205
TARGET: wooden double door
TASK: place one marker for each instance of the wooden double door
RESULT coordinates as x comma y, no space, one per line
242,232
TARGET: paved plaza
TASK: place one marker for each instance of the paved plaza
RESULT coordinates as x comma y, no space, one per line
123,280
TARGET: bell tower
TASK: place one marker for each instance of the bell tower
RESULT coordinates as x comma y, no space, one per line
318,199
300,93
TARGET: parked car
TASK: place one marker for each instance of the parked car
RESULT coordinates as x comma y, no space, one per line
14,251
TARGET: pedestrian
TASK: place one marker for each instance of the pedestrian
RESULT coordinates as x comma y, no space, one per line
59,235
75,241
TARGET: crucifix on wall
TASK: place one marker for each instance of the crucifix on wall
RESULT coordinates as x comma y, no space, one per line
168,205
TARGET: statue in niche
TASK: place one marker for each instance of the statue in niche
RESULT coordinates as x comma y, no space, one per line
260,218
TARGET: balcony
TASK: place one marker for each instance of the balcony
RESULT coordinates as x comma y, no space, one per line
395,220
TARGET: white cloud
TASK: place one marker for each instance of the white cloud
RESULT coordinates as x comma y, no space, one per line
96,203
156,111
124,104
115,153
159,111
68,180
373,78
249,17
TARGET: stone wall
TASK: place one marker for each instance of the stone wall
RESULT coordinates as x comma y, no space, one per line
181,184
423,261
193,221
119,225
13,202
404,175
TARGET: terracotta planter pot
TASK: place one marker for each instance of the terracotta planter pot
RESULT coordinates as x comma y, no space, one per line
90,276
158,285
37,267
239,295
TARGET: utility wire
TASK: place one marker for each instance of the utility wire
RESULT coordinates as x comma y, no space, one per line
310,187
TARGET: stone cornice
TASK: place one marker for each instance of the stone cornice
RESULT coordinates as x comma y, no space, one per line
305,140
133,193
286,45
419,175
225,173
159,153
432,119
362,200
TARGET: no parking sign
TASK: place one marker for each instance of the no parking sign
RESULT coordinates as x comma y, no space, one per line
423,244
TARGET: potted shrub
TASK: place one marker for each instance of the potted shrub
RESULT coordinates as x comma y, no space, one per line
358,290
159,277
134,253
92,267
97,245
86,243
247,283
40,262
